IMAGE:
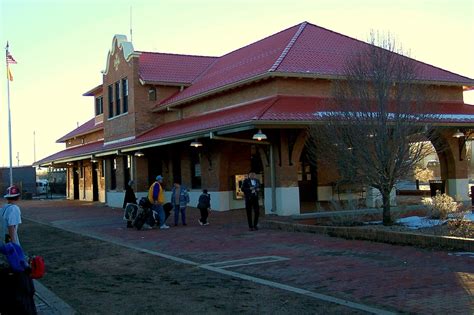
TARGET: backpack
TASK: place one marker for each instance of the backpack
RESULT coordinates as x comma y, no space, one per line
37,267
204,201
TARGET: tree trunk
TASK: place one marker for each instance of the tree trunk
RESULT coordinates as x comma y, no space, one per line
387,219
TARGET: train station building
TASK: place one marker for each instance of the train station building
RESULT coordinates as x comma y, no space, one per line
207,121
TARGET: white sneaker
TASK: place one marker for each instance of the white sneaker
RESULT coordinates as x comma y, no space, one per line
207,223
164,227
199,220
146,227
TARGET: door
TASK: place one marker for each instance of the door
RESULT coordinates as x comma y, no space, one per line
95,182
75,182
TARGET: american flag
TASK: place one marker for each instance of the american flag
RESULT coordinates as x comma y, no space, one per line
10,59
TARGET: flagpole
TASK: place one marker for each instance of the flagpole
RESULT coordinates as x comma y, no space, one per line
9,120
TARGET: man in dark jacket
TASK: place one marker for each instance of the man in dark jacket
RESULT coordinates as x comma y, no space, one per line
129,198
251,187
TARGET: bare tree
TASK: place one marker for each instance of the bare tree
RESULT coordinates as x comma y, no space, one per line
379,111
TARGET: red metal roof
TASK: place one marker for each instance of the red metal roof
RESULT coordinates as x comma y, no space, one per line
89,148
304,49
172,68
280,108
85,128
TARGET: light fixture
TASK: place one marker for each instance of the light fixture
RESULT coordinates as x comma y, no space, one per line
196,143
259,135
139,153
94,160
458,134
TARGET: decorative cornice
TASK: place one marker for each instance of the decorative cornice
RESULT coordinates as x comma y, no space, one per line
120,42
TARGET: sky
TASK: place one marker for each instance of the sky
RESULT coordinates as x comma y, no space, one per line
61,46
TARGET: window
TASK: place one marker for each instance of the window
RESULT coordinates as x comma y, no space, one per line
111,101
99,105
152,94
117,98
195,169
81,170
127,166
125,94
113,174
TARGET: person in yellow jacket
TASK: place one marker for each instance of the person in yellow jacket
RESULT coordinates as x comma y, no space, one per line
156,195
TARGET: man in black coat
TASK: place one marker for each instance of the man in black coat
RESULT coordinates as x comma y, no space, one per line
251,187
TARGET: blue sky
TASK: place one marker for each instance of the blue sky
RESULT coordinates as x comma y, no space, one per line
61,46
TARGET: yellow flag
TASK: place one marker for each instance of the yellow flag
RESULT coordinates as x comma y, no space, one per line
9,74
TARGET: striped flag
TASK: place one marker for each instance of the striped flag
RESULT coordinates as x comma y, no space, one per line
10,59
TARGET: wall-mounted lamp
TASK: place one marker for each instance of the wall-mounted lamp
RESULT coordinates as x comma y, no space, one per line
259,136
139,153
94,160
196,143
458,134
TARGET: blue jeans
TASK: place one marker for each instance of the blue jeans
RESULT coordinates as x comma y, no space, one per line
177,210
160,212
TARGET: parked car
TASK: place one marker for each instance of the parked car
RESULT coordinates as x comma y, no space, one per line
434,166
42,187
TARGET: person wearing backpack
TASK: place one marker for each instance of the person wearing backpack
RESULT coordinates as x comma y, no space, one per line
10,217
204,206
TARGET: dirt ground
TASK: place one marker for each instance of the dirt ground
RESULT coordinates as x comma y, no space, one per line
97,277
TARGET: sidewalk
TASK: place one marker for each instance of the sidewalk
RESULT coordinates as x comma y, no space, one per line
397,278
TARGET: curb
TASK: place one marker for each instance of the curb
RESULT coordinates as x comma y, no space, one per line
49,303
391,237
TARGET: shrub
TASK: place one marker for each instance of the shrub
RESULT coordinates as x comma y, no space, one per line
423,174
461,228
440,206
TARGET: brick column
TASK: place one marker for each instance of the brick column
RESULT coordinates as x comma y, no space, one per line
454,166
286,157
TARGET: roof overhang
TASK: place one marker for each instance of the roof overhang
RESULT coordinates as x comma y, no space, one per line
275,112
97,90
164,83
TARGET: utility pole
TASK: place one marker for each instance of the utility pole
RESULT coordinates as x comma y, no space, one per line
34,146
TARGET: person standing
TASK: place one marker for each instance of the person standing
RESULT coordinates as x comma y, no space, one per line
11,216
204,206
251,188
129,194
156,195
179,199
129,198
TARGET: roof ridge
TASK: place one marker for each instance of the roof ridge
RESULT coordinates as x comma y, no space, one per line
175,54
205,70
288,47
266,108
